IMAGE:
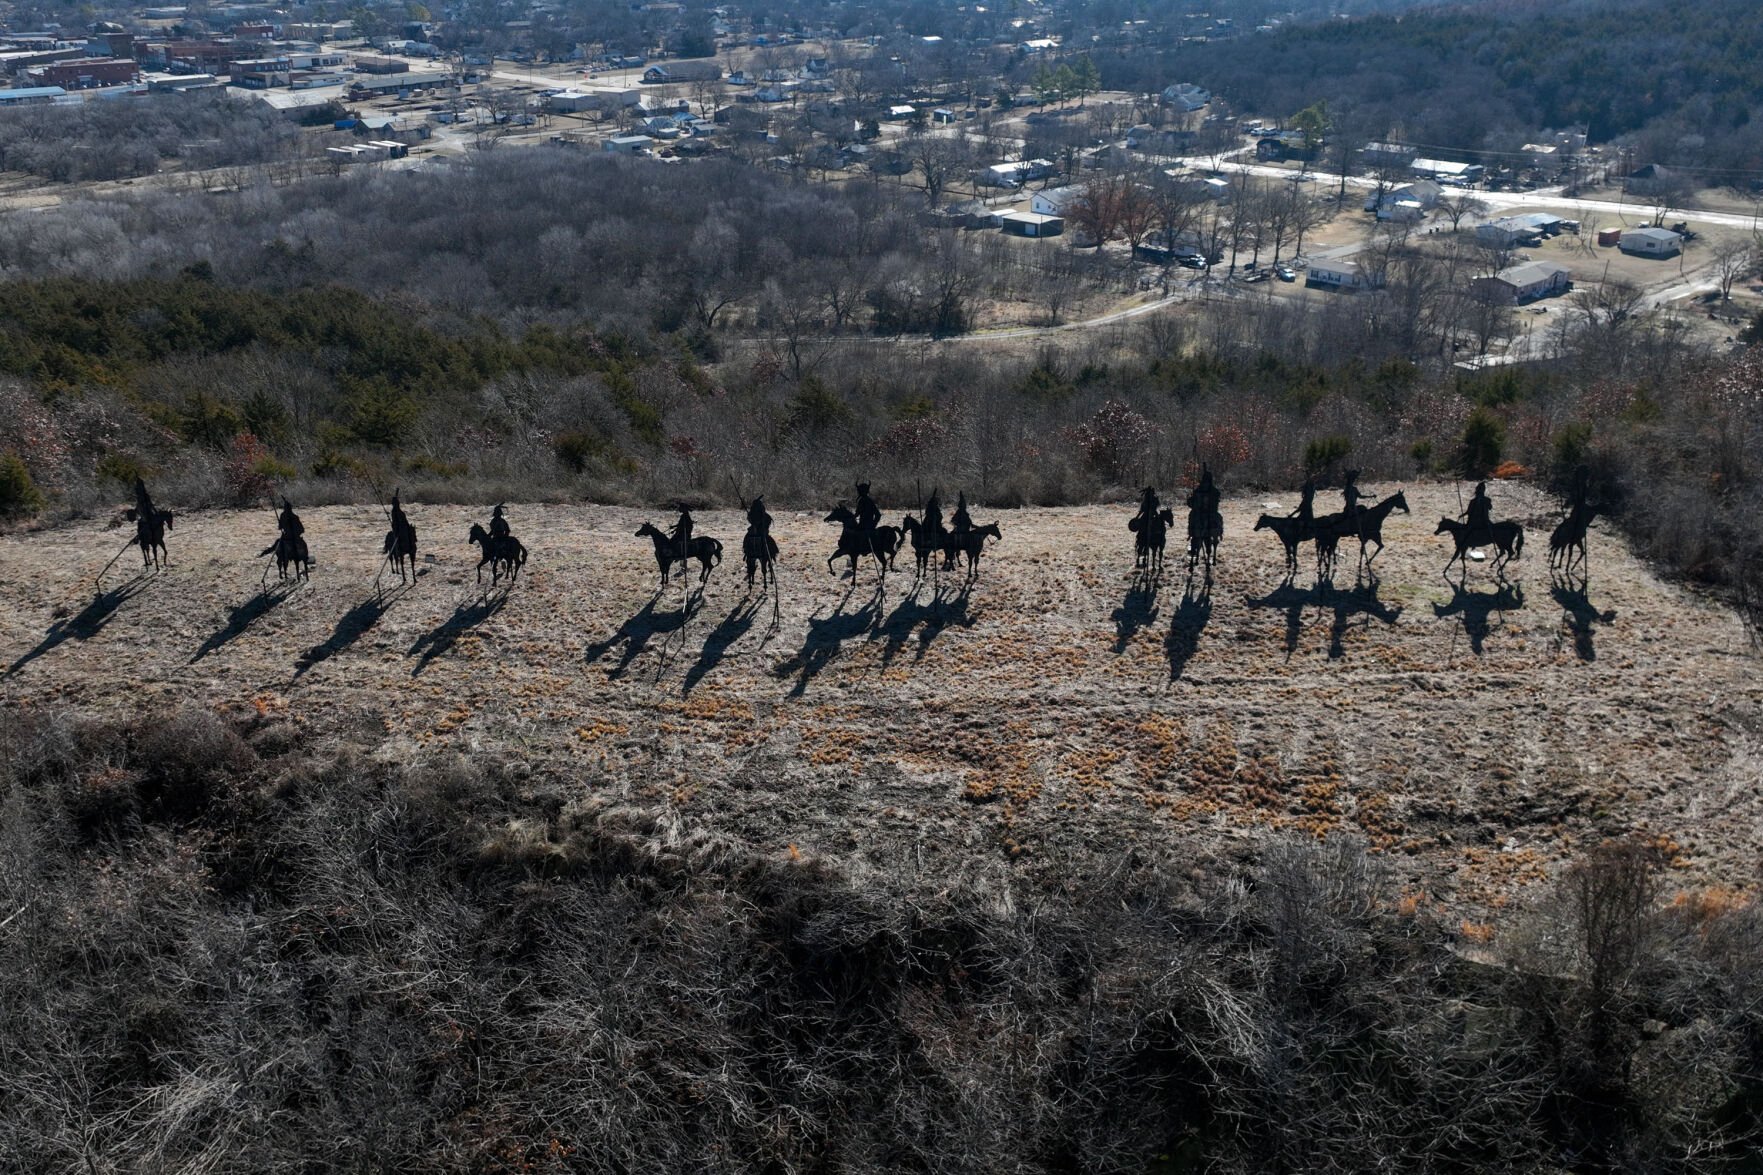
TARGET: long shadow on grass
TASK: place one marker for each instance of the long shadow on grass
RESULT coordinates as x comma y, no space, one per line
243,617
634,634
826,635
445,635
947,609
88,623
1477,608
732,628
1578,615
1137,610
1360,600
352,626
1187,624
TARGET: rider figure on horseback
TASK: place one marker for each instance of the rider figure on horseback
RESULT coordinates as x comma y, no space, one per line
1306,511
498,524
1350,496
869,515
682,534
289,522
933,515
401,522
961,521
143,502
758,520
1148,508
1480,513
1203,501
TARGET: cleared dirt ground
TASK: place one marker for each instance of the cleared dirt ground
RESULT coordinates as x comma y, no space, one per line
1478,737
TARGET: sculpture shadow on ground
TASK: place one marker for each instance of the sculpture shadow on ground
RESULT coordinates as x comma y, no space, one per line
443,636
351,627
1578,615
1137,610
1185,627
1360,600
947,609
826,636
245,615
730,629
1477,608
85,624
634,635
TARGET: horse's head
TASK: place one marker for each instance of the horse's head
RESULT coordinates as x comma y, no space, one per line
1167,516
989,529
478,535
909,524
1399,501
841,513
1263,522
648,531
165,517
1445,525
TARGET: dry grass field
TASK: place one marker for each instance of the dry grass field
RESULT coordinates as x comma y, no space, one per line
1479,736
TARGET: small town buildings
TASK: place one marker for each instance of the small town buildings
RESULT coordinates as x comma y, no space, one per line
32,96
1446,170
166,83
1524,283
1031,224
629,144
1186,97
1339,275
1055,201
1650,242
682,71
86,73
1377,156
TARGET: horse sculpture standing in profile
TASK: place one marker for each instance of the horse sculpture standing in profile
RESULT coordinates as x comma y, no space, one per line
706,550
856,541
1506,537
1567,543
503,554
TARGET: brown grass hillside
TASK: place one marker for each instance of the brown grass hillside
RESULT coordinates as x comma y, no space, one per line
1481,738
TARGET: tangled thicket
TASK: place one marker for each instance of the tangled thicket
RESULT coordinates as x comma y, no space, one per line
226,951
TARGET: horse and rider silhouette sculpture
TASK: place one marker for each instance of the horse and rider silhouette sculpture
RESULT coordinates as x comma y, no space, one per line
961,540
499,549
289,547
1353,521
399,546
679,545
151,524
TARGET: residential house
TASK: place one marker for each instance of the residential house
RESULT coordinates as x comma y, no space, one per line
1506,232
1284,145
1650,242
1650,180
682,71
1524,283
1339,275
1186,97
1056,201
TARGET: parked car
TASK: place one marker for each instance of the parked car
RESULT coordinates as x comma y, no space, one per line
1286,273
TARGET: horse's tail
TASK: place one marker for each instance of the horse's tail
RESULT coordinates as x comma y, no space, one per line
520,552
716,551
1518,543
